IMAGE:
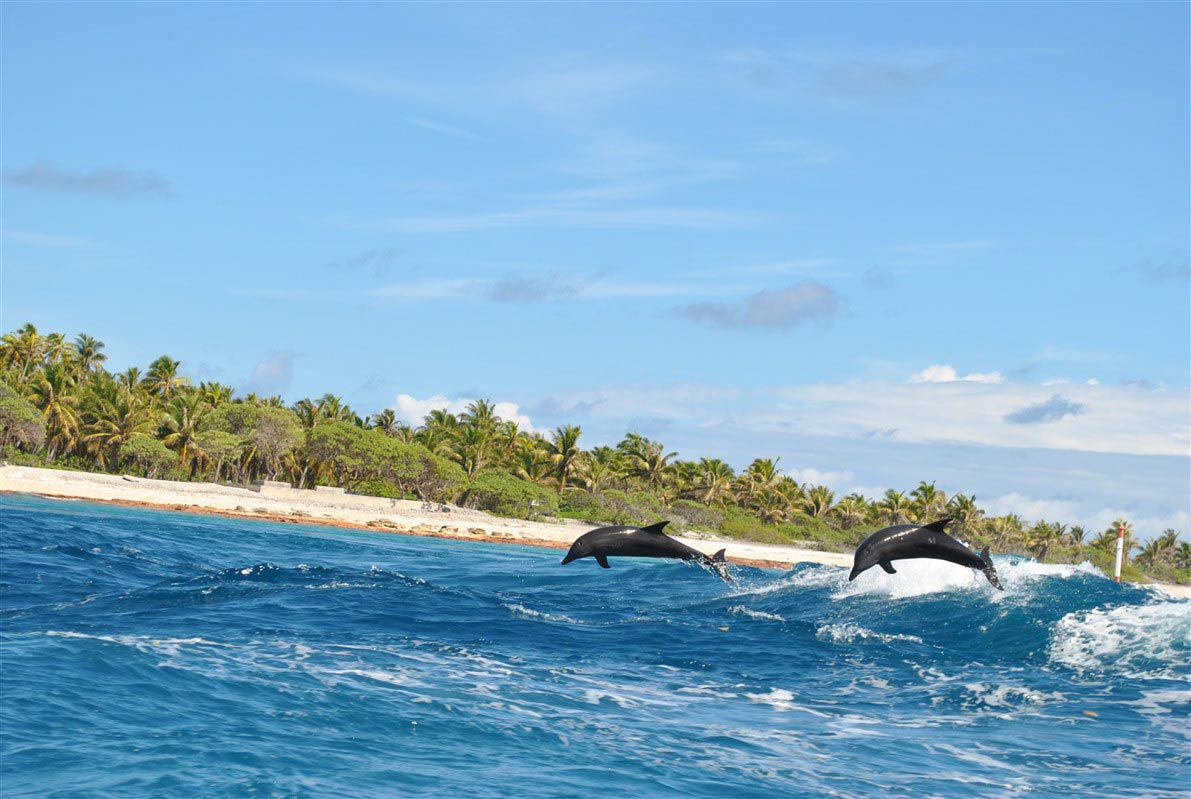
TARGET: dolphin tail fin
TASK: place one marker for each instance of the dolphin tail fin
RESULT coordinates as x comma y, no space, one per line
655,528
720,566
937,526
989,571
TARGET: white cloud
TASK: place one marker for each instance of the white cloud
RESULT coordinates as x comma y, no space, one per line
411,410
833,479
941,373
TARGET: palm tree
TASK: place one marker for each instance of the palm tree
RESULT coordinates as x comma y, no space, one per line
818,501
89,352
772,507
966,513
1042,536
480,414
52,394
563,451
385,421
162,379
648,460
599,468
851,511
438,432
929,502
129,379
895,507
761,475
713,481
215,394
181,423
23,348
114,417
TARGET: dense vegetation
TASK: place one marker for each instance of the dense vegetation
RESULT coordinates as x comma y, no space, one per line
60,406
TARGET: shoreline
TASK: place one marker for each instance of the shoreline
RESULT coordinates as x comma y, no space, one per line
279,503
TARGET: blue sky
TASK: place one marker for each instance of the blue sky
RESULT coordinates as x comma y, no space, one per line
885,242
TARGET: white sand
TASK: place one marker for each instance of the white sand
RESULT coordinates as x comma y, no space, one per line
337,508
332,507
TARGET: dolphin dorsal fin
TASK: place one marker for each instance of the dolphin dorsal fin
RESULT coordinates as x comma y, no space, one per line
984,555
937,526
718,557
655,528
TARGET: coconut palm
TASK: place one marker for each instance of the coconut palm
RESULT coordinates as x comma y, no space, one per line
162,379
215,394
563,451
22,350
598,469
772,507
928,502
966,515
895,507
1042,536
818,501
114,416
850,511
385,421
181,422
761,475
89,353
53,394
712,483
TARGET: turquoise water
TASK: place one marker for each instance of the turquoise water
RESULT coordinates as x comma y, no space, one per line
154,654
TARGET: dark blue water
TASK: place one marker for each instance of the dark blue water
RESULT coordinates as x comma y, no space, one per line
169,655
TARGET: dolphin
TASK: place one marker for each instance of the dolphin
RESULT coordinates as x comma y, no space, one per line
641,542
905,541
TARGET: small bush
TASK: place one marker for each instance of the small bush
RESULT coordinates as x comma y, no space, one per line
503,494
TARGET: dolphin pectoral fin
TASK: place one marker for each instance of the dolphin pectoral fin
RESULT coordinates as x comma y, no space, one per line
888,567
655,528
603,561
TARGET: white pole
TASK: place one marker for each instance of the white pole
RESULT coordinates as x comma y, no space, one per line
1120,551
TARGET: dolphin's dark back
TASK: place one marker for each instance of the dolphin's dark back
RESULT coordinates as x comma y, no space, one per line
622,540
907,541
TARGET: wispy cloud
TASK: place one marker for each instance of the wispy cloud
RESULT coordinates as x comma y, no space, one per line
561,217
774,310
378,259
942,373
1164,270
844,75
509,288
108,182
438,127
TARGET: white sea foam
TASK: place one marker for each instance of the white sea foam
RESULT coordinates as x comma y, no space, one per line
923,576
741,610
1010,696
530,613
849,633
783,700
1146,642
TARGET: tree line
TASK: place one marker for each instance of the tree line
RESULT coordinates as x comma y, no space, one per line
59,405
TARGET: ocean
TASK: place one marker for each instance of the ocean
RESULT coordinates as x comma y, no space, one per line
154,654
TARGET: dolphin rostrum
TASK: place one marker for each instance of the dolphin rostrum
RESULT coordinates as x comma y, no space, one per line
905,541
640,542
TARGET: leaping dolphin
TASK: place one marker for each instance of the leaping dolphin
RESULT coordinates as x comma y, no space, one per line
640,542
905,541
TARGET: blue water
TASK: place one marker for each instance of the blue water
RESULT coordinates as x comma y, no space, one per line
154,654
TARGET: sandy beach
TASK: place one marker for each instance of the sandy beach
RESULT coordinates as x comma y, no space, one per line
327,506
